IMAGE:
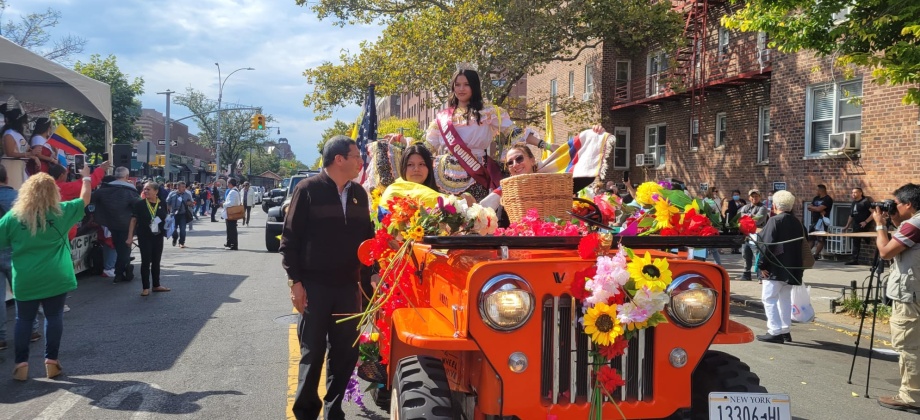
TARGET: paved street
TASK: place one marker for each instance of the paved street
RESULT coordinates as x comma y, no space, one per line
212,348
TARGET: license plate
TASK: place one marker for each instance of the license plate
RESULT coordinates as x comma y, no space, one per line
748,406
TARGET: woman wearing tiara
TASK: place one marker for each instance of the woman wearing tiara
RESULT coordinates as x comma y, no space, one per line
464,136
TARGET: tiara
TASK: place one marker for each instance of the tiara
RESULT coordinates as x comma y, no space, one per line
466,66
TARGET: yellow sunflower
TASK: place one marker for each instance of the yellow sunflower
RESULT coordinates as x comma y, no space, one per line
645,192
663,212
654,274
416,233
602,325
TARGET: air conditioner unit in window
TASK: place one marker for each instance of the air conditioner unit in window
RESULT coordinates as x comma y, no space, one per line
646,159
847,141
587,96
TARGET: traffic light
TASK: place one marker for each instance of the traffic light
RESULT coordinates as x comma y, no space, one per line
254,124
160,161
212,168
261,121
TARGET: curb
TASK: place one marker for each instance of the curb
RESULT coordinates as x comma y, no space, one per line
744,300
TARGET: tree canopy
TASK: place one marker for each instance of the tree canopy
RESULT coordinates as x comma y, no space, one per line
338,127
31,32
881,35
238,137
505,39
126,107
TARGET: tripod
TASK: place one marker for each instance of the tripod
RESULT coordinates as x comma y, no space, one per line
874,286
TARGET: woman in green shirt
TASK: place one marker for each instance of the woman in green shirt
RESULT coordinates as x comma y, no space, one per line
36,229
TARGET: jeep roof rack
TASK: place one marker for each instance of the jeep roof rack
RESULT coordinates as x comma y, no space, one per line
571,242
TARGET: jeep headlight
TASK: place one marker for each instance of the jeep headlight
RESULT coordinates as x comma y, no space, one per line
506,302
692,301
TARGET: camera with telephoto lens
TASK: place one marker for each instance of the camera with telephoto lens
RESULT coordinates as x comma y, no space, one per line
887,206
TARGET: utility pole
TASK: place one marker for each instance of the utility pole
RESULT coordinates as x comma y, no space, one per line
166,166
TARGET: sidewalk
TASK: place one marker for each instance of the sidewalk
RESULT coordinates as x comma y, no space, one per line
828,280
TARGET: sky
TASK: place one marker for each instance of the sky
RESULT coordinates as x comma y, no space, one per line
173,44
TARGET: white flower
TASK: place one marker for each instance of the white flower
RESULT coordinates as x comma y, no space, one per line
486,221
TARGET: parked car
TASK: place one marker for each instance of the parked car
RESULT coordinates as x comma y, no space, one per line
275,222
273,198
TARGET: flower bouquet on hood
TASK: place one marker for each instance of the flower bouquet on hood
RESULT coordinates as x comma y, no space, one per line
670,212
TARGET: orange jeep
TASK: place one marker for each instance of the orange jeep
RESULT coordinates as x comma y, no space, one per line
493,333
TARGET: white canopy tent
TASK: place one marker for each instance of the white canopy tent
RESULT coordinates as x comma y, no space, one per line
32,78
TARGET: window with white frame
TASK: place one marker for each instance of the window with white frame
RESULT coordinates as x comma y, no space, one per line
831,108
656,68
572,84
621,147
694,134
621,84
552,95
589,82
655,141
721,129
763,135
724,40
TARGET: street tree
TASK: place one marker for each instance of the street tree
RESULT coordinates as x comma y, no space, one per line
32,32
339,127
883,35
407,126
126,107
237,136
505,39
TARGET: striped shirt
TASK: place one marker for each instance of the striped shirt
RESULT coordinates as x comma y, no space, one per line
903,284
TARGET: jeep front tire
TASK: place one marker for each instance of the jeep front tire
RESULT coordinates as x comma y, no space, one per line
719,372
420,390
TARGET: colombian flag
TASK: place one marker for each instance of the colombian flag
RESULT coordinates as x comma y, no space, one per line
581,156
61,139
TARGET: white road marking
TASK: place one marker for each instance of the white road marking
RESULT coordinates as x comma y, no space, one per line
62,404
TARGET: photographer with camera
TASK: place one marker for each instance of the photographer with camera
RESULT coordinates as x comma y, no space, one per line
902,286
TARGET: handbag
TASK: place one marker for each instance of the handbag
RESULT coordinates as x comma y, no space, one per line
235,212
808,260
802,311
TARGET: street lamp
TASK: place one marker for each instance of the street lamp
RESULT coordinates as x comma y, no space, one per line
220,97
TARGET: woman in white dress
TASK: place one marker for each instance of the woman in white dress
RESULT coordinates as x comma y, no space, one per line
479,125
15,147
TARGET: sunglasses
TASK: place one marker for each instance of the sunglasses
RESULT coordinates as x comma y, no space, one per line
518,160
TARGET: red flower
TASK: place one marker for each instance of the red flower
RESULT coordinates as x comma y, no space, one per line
747,225
709,231
588,246
669,232
607,211
614,350
577,287
609,379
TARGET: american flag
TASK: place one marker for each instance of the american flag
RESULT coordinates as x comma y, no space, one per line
368,129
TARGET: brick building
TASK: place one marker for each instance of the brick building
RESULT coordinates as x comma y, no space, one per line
189,159
735,114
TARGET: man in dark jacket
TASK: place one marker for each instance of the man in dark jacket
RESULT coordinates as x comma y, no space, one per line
113,210
327,271
781,267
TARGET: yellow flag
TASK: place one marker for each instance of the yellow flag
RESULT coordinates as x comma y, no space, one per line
354,128
549,137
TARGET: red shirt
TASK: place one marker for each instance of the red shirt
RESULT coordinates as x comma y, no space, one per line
71,190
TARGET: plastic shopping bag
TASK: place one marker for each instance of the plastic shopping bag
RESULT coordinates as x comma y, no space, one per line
802,311
170,225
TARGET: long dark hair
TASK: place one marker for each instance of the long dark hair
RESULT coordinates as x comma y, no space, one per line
41,126
15,120
418,149
475,99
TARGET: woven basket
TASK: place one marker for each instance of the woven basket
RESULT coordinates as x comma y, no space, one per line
550,194
374,372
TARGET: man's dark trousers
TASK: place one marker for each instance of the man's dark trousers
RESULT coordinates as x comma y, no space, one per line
123,252
316,323
181,223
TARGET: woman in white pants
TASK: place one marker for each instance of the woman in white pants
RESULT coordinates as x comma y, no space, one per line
780,267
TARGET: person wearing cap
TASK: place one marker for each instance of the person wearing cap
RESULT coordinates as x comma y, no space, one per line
749,251
15,147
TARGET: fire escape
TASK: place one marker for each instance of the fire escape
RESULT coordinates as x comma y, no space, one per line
698,68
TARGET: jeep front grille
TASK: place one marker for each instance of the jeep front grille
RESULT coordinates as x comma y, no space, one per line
564,369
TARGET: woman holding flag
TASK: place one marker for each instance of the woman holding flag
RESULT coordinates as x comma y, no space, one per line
465,134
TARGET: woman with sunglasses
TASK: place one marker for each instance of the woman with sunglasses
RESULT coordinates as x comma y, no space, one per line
473,125
519,160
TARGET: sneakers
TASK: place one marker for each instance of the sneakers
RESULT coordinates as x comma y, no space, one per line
895,403
35,337
108,273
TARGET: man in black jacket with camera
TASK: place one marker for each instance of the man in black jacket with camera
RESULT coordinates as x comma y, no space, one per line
327,220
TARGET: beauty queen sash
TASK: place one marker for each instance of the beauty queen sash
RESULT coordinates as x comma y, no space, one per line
481,173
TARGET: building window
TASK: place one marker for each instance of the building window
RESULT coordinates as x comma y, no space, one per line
589,78
552,95
621,148
724,39
655,140
721,127
572,84
656,69
695,134
621,84
763,135
831,108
